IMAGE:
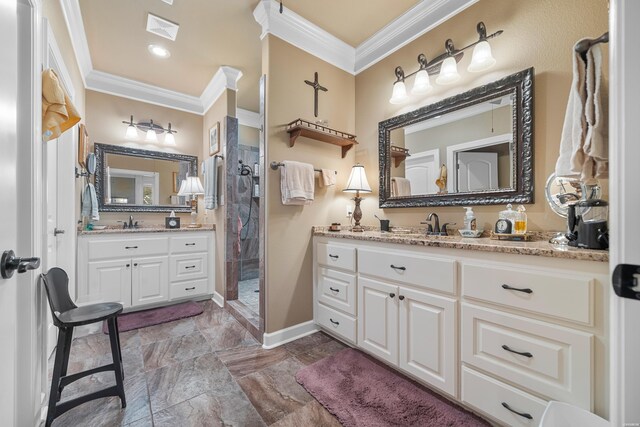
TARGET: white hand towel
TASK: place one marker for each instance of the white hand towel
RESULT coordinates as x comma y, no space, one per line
296,183
596,142
327,178
400,187
90,203
211,183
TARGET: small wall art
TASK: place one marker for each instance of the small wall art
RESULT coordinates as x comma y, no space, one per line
214,139
83,145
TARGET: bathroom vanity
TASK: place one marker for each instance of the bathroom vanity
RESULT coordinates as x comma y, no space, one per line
501,327
146,267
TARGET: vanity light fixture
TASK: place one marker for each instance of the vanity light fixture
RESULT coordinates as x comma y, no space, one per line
151,129
445,66
357,183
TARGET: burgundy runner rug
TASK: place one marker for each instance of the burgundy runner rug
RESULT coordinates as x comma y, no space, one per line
155,316
361,391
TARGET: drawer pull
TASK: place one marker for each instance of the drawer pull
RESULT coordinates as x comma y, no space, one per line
522,414
128,265
398,268
510,288
334,256
521,353
131,247
190,266
135,264
190,289
392,295
334,322
334,290
189,244
401,297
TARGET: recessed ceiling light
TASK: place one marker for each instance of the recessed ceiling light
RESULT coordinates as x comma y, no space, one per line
159,51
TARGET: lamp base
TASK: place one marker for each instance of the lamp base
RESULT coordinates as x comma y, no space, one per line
357,228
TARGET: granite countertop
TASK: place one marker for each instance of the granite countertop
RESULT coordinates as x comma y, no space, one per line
115,229
539,246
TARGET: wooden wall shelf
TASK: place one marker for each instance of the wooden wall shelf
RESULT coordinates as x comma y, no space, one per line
398,154
318,132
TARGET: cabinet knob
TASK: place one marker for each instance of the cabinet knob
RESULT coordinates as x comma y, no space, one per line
135,264
392,295
400,297
128,265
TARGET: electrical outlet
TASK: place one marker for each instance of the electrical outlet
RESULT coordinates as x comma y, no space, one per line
349,211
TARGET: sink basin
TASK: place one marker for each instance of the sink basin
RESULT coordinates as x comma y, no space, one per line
414,235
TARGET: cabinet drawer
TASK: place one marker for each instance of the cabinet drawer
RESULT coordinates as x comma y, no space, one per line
189,244
188,267
343,257
336,322
408,267
548,359
490,395
337,290
554,293
187,289
103,249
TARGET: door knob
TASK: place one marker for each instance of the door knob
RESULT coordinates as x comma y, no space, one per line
57,231
10,263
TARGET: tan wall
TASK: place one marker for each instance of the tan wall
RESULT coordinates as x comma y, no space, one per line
248,135
104,116
537,33
289,254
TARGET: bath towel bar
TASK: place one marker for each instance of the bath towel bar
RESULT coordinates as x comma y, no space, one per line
276,165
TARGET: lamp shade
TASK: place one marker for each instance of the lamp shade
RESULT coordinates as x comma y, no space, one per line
357,180
191,187
132,132
448,72
151,136
169,139
399,94
482,59
421,85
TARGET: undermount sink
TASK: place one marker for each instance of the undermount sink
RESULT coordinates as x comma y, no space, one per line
411,234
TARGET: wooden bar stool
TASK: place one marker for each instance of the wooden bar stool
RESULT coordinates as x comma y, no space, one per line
66,316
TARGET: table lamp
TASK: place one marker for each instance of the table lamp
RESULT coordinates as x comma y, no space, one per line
357,183
192,187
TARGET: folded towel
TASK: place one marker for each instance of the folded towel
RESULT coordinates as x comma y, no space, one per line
400,187
211,183
90,203
327,178
58,113
296,183
596,141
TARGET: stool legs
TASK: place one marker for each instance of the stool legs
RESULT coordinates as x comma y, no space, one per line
117,358
60,364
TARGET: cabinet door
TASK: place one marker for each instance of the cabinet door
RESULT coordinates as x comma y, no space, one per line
378,318
107,281
150,280
428,338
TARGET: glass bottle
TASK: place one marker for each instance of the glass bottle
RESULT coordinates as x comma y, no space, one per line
520,225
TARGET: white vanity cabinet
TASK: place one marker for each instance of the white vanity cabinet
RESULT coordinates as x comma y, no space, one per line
142,270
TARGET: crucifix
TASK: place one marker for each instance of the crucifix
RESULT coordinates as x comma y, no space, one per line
316,87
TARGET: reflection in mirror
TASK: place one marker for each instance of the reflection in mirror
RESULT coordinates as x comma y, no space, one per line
560,192
471,149
131,180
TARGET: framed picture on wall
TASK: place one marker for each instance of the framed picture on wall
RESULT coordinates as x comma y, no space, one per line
83,145
214,139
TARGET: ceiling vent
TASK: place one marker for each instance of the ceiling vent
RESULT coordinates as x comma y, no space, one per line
161,27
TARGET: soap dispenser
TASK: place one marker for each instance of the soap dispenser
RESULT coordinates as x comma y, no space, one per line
470,219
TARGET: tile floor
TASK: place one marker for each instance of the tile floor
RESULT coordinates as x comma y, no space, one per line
248,296
201,371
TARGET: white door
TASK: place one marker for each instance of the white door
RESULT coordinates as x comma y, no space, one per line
378,319
422,169
427,338
624,152
477,171
149,280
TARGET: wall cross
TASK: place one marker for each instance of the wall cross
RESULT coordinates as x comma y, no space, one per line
316,87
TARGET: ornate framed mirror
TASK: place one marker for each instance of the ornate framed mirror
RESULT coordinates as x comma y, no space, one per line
135,180
475,148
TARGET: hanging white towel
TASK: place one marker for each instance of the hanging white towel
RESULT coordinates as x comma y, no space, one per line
327,178
297,183
400,187
596,141
211,183
90,203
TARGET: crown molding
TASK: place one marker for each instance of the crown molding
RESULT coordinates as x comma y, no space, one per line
248,118
296,30
73,18
417,21
224,78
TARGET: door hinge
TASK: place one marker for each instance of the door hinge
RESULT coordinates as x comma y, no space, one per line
625,281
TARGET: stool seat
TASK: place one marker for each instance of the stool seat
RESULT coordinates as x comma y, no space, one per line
89,313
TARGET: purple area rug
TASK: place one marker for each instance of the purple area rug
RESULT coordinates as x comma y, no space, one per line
155,316
361,391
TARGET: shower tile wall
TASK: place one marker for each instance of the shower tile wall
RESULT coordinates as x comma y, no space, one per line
249,259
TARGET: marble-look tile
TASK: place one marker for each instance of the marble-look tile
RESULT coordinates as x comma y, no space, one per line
311,414
244,361
274,391
181,381
131,361
144,422
166,352
212,317
208,410
165,331
108,411
96,345
307,343
320,352
228,335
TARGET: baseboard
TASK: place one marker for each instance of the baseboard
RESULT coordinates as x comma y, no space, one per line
218,299
283,336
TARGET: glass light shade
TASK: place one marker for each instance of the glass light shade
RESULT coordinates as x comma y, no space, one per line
421,85
482,59
399,94
132,132
357,181
191,187
448,72
151,136
169,139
